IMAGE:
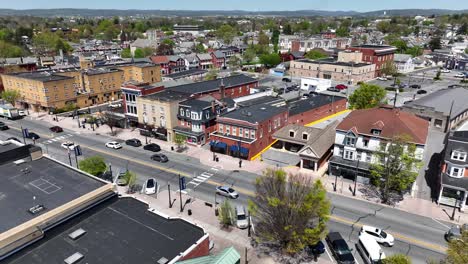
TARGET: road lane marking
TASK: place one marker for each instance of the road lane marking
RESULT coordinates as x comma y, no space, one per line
435,220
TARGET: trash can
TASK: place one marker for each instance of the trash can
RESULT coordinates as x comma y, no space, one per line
172,148
217,159
189,211
216,212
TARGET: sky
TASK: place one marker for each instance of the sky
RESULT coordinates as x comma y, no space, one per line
251,5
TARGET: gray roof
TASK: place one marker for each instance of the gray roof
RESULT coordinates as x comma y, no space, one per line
255,113
41,76
204,56
143,43
167,95
441,101
314,101
401,57
219,54
213,85
186,73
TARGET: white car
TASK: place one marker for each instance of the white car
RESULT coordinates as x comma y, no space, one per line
227,191
445,71
382,78
113,145
150,186
241,217
68,145
460,75
379,235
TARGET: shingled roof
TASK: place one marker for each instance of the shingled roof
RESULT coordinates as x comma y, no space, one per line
391,121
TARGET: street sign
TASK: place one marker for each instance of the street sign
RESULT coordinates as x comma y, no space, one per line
25,132
78,151
182,184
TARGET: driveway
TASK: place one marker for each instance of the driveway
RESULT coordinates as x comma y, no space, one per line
280,158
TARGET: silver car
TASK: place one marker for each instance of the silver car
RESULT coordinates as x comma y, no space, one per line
227,191
241,217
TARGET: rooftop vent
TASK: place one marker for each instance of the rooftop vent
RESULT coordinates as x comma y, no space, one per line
163,260
74,258
263,108
18,162
77,234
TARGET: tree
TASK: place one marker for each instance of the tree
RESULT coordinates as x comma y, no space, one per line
315,54
270,60
367,96
138,53
342,32
249,54
226,216
110,120
234,63
384,27
457,252
435,43
126,53
8,50
164,49
212,74
397,259
400,45
263,39
226,33
275,39
199,48
437,77
463,29
290,210
466,51
11,96
414,51
395,166
130,178
180,141
287,30
389,69
94,165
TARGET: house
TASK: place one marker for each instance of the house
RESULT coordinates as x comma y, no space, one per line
315,107
361,133
130,92
454,172
219,59
375,54
313,145
197,119
188,29
163,62
205,60
192,62
289,56
192,74
444,109
247,130
404,63
176,64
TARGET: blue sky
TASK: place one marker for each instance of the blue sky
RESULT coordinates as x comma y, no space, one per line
255,5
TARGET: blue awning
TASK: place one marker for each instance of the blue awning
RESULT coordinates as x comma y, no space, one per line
244,150
221,145
212,143
234,148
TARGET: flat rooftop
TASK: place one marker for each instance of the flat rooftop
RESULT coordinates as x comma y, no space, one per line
333,62
40,182
42,76
117,231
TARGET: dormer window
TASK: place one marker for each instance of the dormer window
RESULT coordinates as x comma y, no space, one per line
182,112
458,155
456,172
291,133
350,140
305,136
187,113
376,132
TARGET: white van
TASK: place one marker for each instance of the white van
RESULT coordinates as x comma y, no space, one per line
369,249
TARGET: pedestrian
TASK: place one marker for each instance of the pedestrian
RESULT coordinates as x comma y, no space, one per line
240,163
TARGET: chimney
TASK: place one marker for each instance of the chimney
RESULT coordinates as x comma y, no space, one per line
213,107
222,89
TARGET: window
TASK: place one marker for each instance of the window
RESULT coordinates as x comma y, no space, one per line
228,130
207,115
458,155
366,142
291,133
241,131
182,112
376,131
456,172
187,113
252,134
246,133
350,141
221,129
305,136
234,131
154,119
153,109
368,157
438,123
349,155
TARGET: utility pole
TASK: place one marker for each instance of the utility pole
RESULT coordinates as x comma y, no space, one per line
180,195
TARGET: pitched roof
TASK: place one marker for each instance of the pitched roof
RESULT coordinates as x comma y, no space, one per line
391,121
204,56
401,57
213,85
159,59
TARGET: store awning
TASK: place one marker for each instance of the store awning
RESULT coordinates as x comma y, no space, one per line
221,145
234,148
244,151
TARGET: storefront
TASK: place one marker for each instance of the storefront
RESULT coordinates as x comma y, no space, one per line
239,152
194,138
218,147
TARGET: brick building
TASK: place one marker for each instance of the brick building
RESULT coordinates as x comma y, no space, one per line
317,106
219,59
16,65
375,54
130,92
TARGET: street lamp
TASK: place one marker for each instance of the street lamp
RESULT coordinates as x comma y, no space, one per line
455,205
240,159
336,178
355,178
145,121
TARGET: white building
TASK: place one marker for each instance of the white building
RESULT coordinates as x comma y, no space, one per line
404,63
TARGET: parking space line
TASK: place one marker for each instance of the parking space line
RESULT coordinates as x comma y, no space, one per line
328,253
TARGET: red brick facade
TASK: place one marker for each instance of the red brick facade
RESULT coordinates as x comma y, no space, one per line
315,114
232,92
200,250
378,55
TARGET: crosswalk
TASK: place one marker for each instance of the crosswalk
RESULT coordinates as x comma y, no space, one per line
58,139
199,180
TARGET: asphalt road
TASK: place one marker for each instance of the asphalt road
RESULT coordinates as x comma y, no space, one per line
419,237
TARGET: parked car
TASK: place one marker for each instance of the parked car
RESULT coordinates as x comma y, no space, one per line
341,87
68,145
460,75
421,92
227,191
339,248
444,70
113,145
403,85
150,186
333,89
382,78
416,86
133,142
32,135
15,139
316,249
455,232
286,79
369,249
454,86
56,129
160,157
3,126
152,147
122,179
379,235
241,217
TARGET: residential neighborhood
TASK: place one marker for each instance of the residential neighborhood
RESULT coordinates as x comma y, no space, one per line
184,133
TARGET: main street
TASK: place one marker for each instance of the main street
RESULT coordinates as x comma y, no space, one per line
417,236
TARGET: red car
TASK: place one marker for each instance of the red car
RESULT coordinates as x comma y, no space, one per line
56,129
341,87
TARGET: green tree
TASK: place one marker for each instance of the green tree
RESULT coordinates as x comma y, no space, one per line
164,49
234,63
414,51
400,45
126,53
287,30
342,32
270,60
94,165
130,178
147,51
180,140
395,166
211,75
169,42
11,96
138,53
226,214
8,50
463,29
290,210
397,259
384,27
249,54
199,48
226,33
457,252
437,77
466,51
263,39
315,54
389,69
367,96
435,43
275,38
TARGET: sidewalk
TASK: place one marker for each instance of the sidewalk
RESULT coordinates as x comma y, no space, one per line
409,204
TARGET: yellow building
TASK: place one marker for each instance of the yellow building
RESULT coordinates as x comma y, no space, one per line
142,72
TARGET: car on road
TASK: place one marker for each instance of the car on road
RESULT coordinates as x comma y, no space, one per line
379,235
415,86
32,135
444,70
369,249
454,86
56,129
15,139
152,147
460,75
122,179
150,186
455,232
133,142
241,217
227,191
160,157
113,145
333,89
421,92
340,248
341,87
68,145
286,80
3,126
316,249
382,78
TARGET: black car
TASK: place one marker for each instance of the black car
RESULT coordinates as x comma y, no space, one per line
421,92
32,135
160,158
152,147
339,248
286,80
333,89
416,86
56,129
3,126
454,86
133,142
